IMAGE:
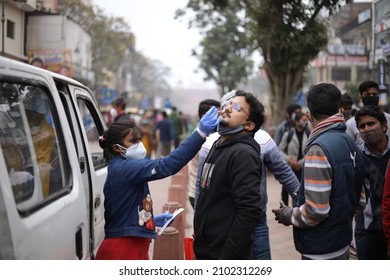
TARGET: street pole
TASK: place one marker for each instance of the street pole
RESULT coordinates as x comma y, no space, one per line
2,26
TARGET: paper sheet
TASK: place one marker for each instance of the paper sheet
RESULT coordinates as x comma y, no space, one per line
174,214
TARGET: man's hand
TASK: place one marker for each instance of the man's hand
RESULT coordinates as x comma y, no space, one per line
283,214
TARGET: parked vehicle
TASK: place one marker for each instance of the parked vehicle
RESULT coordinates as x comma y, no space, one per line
51,167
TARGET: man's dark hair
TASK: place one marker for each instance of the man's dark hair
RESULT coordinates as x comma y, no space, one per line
364,86
38,60
346,99
372,111
256,109
120,102
323,100
205,105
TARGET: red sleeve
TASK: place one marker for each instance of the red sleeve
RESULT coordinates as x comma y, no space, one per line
386,207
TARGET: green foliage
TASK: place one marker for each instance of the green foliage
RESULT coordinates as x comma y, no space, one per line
288,33
113,47
111,36
353,90
226,56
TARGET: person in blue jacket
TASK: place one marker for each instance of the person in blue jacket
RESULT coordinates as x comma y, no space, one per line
129,220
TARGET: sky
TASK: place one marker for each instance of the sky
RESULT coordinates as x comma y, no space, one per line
160,37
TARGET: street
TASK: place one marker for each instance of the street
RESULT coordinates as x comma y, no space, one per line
282,245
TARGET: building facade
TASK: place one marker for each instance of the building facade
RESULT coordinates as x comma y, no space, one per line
33,32
358,49
347,56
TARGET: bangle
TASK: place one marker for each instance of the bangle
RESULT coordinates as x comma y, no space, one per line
201,133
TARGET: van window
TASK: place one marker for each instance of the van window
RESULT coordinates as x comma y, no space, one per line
88,115
32,145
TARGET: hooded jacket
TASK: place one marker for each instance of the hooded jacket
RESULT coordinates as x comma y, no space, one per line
228,208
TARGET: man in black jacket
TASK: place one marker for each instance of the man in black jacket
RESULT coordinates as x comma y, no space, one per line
228,208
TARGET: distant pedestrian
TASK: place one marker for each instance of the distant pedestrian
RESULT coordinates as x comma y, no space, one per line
117,110
369,95
332,182
164,136
292,145
147,127
287,123
178,126
348,108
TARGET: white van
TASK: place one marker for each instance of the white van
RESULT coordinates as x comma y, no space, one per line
52,169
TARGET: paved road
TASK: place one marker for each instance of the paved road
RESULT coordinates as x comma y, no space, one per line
282,246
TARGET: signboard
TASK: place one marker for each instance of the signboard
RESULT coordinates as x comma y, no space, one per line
382,74
109,95
58,60
382,16
340,60
364,16
346,49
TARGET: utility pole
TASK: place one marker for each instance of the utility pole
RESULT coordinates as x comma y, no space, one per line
2,26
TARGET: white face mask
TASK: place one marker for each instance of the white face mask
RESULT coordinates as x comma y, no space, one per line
113,112
136,151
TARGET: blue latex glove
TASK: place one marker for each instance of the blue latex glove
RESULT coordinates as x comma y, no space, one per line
159,220
209,121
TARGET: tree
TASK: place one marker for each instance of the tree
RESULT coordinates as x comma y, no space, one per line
111,36
113,48
353,90
226,59
288,33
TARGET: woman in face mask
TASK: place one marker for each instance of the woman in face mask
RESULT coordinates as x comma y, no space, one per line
292,145
129,220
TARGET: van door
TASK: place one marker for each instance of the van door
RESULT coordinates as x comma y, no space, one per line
43,214
94,171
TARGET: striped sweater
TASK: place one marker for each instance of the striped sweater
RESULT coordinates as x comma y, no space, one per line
317,181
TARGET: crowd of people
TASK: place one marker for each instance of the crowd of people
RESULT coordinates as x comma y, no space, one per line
332,161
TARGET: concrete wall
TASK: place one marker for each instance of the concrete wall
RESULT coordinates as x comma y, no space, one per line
13,47
55,32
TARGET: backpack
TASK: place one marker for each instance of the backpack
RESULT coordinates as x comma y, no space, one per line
290,136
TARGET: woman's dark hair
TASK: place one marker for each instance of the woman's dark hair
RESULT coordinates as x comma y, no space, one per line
116,133
256,109
298,116
292,108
